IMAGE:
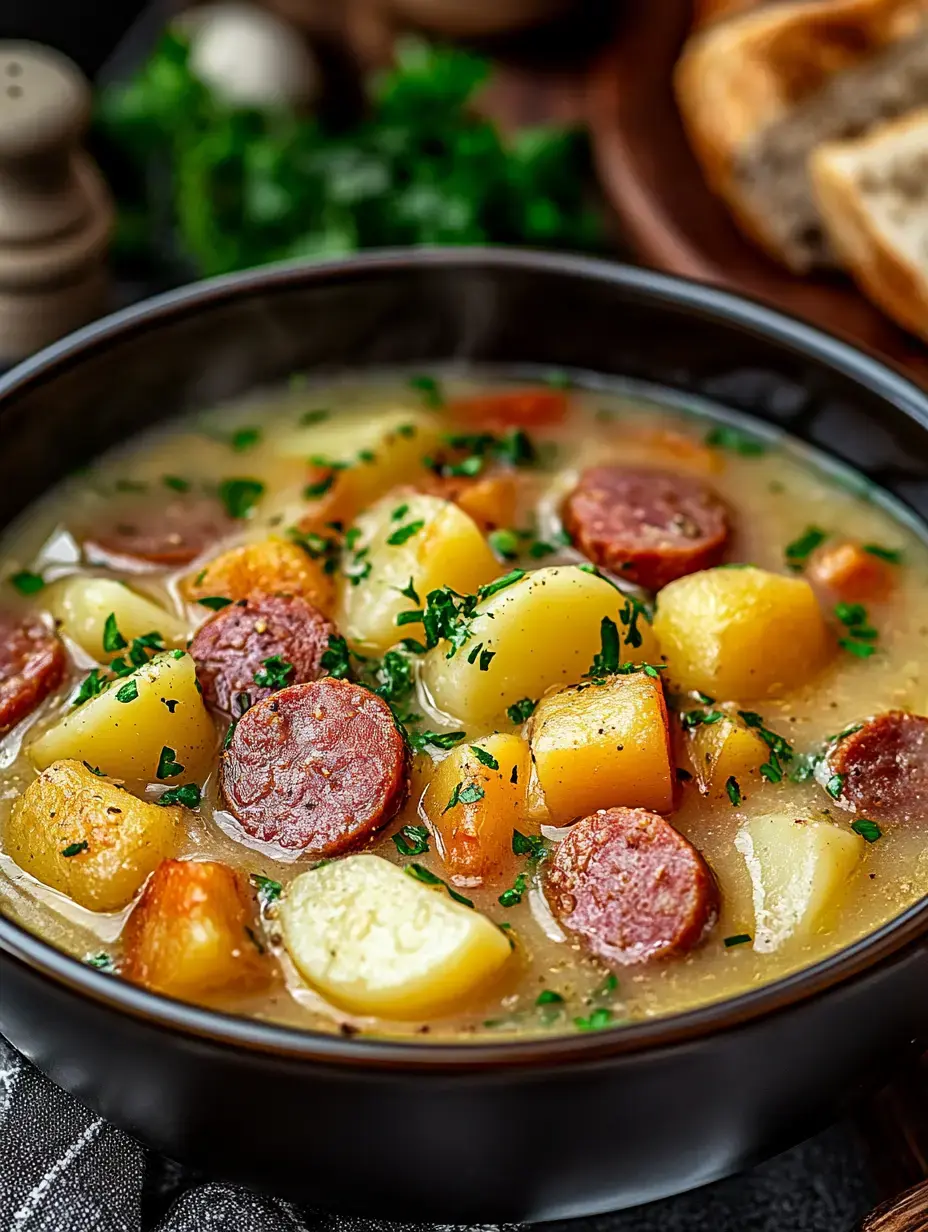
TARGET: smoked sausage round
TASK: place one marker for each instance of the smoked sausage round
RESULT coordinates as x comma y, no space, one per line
232,649
631,886
648,526
32,664
316,768
883,766
141,532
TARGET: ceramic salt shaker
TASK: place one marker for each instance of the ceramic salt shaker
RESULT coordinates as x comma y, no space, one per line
56,215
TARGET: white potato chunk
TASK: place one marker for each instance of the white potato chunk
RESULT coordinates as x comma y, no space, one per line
374,940
800,875
82,604
544,631
400,436
445,548
123,730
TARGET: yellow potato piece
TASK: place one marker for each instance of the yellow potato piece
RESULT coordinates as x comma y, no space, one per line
82,605
374,940
124,739
274,566
193,932
116,840
447,549
604,745
741,633
726,749
800,876
543,631
475,836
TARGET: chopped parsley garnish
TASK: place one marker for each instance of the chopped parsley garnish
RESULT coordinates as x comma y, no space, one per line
409,592
690,719
215,603
412,616
892,556
27,582
799,551
439,740
737,939
735,441
358,568
239,496
734,791
780,749
531,845
835,786
139,652
269,891
601,1017
94,769
393,677
633,611
176,483
92,684
308,418
336,661
861,635
313,491
867,829
171,702
399,513
549,997
430,389
274,673
113,640
464,795
493,588
127,692
505,543
485,758
101,961
168,768
188,795
244,438
412,841
427,877
513,896
405,533
606,660
75,849
521,710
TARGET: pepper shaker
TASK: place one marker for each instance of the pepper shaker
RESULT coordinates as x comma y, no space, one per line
56,215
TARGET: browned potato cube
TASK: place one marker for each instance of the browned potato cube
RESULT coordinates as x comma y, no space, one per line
192,932
274,566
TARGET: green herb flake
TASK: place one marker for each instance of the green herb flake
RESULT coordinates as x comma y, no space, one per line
485,758
601,1017
799,551
94,769
269,891
188,795
549,997
405,533
215,603
427,877
505,543
493,588
408,592
513,896
471,794
892,556
113,640
176,483
735,441
274,673
239,496
835,786
128,692
737,939
867,829
244,438
101,961
313,491
92,684
27,582
521,710
606,661
430,389
733,790
309,418
336,660
411,841
531,845
439,740
399,513
171,702
75,849
168,767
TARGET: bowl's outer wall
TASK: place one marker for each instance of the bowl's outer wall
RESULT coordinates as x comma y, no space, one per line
502,1142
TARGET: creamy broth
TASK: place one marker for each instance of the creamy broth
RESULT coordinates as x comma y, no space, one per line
775,495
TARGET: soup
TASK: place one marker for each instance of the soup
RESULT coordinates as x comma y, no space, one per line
462,706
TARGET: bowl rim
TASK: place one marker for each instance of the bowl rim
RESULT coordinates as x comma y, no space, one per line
895,940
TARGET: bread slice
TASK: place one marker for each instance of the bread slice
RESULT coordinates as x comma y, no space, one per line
758,92
873,198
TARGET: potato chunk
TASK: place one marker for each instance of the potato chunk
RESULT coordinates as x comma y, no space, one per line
475,835
373,939
192,932
274,566
604,746
87,838
725,749
123,730
409,537
800,875
542,631
741,633
82,605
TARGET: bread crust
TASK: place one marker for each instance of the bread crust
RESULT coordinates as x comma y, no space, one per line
891,277
739,76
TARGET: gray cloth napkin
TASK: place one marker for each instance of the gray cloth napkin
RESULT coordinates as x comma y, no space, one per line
62,1169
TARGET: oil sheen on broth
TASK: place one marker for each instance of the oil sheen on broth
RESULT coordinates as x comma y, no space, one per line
504,477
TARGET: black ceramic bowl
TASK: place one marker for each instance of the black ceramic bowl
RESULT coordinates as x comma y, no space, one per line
497,1131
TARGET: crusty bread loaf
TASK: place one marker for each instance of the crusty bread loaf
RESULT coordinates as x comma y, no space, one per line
760,91
873,198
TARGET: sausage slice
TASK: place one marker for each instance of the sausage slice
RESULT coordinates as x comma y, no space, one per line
316,768
232,648
631,886
32,664
883,767
649,526
140,532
